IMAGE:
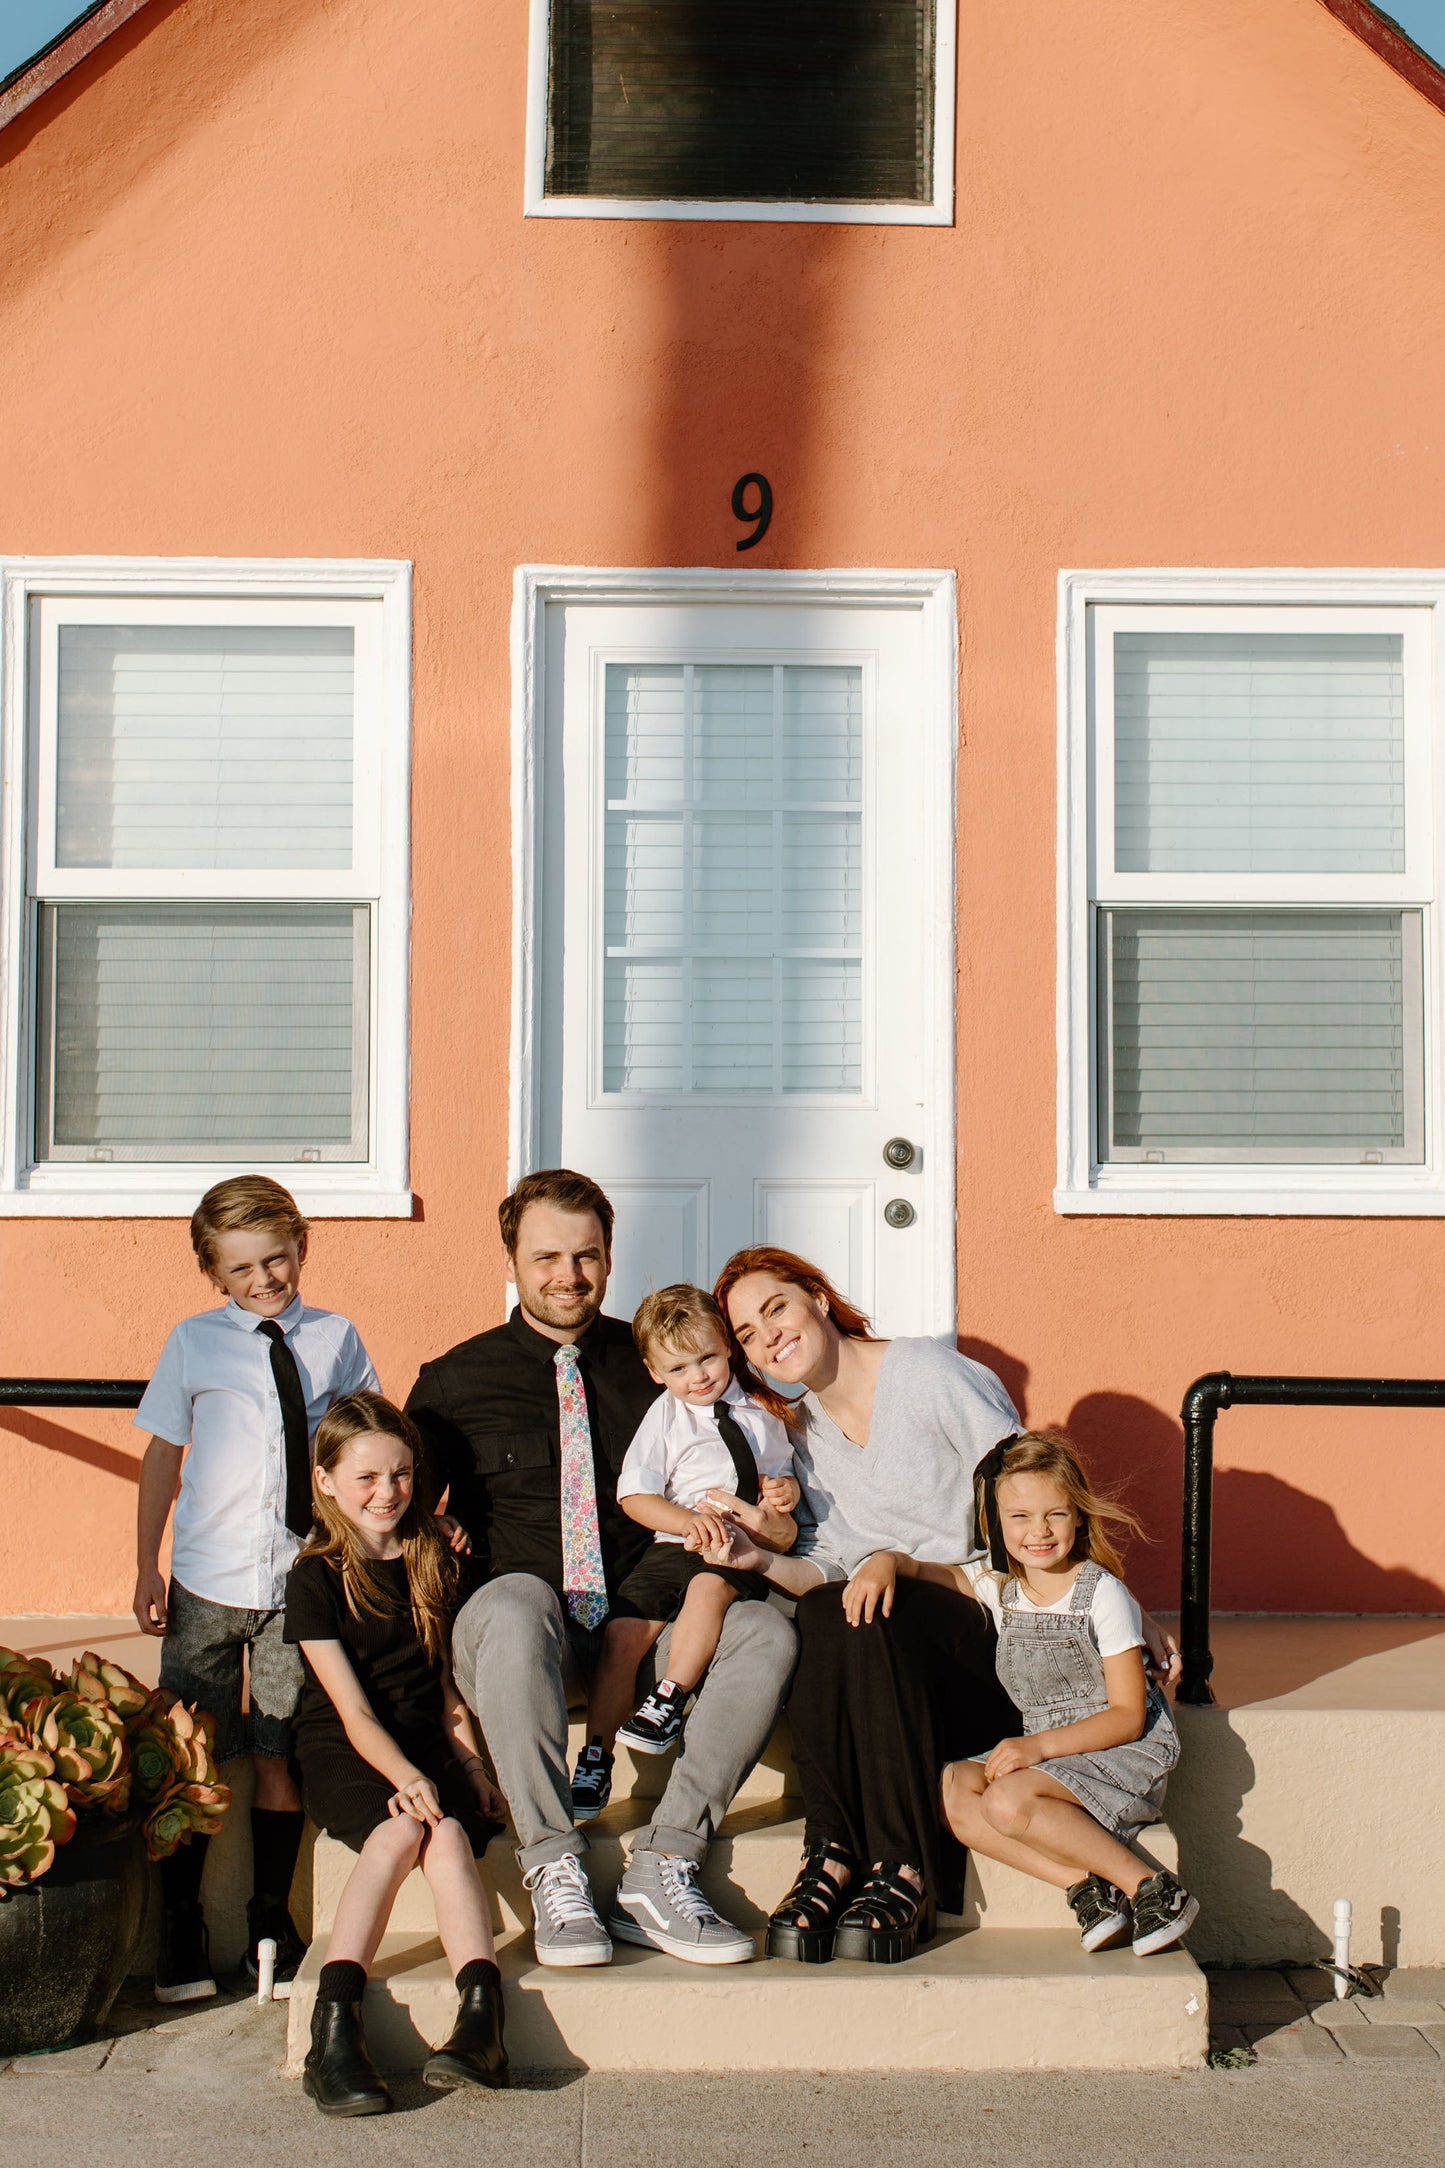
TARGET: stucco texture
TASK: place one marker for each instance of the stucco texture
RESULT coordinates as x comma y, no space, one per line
266,289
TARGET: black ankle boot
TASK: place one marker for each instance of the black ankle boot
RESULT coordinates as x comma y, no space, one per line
339,2074
474,2055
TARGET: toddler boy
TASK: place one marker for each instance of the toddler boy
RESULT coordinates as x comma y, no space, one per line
702,1434
232,1406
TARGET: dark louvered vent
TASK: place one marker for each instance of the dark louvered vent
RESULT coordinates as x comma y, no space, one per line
747,101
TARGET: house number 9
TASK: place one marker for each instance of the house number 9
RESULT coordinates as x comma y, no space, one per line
761,512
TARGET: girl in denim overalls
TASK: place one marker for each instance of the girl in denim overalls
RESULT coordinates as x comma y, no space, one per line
1098,1740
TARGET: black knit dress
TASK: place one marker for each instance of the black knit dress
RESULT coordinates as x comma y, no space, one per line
340,1790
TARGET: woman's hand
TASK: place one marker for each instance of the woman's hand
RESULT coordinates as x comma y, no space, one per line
1163,1661
871,1589
1009,1756
417,1797
457,1538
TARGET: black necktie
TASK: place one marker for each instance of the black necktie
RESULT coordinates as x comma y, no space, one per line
295,1427
745,1468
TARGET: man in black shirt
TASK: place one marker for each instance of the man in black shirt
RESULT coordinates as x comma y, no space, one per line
527,1425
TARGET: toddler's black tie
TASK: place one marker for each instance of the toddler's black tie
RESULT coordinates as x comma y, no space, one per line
744,1466
295,1427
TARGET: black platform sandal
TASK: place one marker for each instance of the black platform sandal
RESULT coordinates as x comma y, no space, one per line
818,1899
904,1914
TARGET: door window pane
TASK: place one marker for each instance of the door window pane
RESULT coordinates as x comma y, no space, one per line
1261,1034
1259,752
733,878
203,1032
204,746
749,101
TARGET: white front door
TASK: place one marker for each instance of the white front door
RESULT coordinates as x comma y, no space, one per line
738,982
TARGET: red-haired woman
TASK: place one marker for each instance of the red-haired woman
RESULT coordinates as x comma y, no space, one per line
896,1675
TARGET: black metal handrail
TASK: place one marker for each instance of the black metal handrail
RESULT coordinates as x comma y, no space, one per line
1202,1403
71,1392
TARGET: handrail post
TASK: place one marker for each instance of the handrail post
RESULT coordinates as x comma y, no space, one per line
1205,1397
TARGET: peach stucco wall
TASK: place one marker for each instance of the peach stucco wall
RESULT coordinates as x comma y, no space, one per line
266,289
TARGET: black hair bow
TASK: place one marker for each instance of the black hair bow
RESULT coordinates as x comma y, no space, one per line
985,1484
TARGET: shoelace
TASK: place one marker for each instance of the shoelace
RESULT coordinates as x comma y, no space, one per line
682,1892
563,1888
654,1711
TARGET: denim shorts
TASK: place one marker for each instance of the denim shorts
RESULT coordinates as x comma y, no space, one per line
201,1662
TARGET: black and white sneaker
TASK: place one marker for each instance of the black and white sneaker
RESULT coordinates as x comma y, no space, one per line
657,1724
183,1968
1102,1912
274,1922
591,1782
1163,1912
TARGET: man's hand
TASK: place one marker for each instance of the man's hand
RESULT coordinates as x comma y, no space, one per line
1009,1756
149,1604
871,1589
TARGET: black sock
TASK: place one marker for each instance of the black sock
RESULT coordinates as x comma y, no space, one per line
275,1842
341,1982
181,1874
476,1972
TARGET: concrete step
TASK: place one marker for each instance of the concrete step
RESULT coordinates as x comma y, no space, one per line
750,1868
997,1999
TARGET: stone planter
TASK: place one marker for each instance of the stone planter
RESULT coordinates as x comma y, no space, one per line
66,1940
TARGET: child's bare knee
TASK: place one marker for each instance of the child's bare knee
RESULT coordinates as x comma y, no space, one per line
1005,1808
447,1840
709,1592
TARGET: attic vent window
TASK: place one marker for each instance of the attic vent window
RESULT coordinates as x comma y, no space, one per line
730,107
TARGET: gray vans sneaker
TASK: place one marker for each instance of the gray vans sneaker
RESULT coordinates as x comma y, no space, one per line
565,1926
659,1903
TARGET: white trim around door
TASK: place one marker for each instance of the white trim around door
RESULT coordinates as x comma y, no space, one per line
933,595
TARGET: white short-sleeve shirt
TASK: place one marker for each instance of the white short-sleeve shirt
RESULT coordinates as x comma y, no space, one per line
678,1452
1115,1619
213,1391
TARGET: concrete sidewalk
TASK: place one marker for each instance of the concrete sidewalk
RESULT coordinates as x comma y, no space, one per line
202,2089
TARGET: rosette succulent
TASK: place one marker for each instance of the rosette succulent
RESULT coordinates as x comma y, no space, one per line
95,1678
194,1802
22,1679
86,1742
35,1814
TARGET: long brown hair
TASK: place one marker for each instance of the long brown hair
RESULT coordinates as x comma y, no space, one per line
783,1265
431,1569
1052,1453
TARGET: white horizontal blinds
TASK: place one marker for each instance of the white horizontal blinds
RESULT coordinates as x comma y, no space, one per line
733,878
1239,752
205,746
1262,1034
209,1031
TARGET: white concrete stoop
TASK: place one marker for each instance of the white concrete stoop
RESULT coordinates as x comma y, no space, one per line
1003,1986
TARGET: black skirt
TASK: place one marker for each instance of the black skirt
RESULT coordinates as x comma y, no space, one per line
347,1798
661,1578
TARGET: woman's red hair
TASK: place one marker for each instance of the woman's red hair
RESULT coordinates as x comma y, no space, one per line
782,1265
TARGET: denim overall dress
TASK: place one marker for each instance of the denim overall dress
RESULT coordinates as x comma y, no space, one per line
1050,1666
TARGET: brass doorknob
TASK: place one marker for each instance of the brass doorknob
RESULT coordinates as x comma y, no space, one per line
898,1152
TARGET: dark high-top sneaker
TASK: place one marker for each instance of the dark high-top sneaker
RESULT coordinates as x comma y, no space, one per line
474,2054
339,2075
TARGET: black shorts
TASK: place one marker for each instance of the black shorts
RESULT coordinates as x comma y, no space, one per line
661,1578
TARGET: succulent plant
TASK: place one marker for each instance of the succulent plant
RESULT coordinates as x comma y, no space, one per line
22,1679
95,1678
35,1814
86,1742
194,1802
152,1744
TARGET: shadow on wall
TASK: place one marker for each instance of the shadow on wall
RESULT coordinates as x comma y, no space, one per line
56,1439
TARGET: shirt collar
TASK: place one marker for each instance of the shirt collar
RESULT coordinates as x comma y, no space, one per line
251,1320
540,1348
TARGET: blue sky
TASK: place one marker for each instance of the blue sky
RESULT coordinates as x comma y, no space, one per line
26,26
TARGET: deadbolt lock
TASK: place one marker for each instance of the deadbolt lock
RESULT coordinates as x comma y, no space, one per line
899,1212
898,1152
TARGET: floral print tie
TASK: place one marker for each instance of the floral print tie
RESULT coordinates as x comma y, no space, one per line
584,1585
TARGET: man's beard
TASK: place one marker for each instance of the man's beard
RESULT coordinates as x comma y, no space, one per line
550,1313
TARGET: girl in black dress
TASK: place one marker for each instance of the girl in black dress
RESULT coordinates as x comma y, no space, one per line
389,1759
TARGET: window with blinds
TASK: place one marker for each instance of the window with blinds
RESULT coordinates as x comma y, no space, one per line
741,101
1260,908
203,896
733,879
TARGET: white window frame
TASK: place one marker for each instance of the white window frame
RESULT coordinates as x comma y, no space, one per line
937,211
36,596
1093,605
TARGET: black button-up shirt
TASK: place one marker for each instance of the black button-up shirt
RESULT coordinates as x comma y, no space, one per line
487,1412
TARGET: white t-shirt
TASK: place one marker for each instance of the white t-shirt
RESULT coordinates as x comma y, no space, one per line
678,1452
1115,1620
213,1390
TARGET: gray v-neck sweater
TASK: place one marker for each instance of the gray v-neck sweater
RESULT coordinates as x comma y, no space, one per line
910,1488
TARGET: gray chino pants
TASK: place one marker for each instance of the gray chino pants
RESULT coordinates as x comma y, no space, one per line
510,1650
